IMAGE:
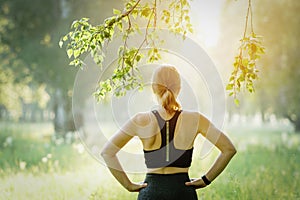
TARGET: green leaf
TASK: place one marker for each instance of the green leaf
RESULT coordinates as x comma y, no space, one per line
120,26
65,38
72,62
245,62
231,78
191,30
84,19
117,12
61,43
146,12
70,52
138,58
187,18
134,14
75,24
229,87
236,102
76,53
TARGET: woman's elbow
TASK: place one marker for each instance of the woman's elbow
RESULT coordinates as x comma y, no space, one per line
229,151
105,153
232,151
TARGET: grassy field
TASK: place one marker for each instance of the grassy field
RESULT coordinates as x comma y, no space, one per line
32,166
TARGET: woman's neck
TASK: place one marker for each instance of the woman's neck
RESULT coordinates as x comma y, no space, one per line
163,113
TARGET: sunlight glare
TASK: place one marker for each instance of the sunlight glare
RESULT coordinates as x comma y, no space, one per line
206,20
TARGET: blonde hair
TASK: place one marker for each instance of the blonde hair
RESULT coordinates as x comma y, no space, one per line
166,85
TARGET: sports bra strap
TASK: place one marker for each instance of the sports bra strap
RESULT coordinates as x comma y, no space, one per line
167,155
162,125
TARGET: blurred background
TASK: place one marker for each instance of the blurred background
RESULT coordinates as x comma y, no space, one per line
41,156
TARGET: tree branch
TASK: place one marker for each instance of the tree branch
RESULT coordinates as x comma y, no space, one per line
130,11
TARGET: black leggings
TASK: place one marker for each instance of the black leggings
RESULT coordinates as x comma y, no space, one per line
167,187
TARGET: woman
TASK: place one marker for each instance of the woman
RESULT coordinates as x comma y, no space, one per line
167,135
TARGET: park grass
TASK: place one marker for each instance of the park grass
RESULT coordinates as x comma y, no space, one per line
258,173
266,167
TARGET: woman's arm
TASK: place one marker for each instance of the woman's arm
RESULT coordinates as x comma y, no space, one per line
222,142
109,155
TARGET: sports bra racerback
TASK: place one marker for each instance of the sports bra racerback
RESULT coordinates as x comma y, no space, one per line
167,155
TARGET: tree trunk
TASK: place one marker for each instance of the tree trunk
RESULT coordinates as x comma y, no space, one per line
33,108
263,116
63,118
59,113
2,112
297,126
295,122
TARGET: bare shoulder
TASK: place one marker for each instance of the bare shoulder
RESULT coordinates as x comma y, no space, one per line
142,118
197,119
191,114
189,119
195,115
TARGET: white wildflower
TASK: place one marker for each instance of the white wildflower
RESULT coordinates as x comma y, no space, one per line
8,141
44,159
69,137
79,148
22,165
59,141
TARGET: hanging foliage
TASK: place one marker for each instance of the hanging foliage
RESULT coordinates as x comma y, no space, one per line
86,38
245,70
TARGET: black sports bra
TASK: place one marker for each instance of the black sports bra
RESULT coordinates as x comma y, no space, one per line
167,155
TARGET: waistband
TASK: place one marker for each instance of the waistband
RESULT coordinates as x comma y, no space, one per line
166,180
174,174
176,177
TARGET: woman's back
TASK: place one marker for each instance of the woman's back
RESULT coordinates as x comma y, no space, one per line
158,144
148,130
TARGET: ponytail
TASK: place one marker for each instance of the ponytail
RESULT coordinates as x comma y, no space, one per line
166,85
169,102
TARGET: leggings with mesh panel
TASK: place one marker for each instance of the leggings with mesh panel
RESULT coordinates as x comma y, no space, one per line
167,187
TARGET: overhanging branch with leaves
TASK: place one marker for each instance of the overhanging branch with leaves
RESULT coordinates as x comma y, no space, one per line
245,70
85,38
